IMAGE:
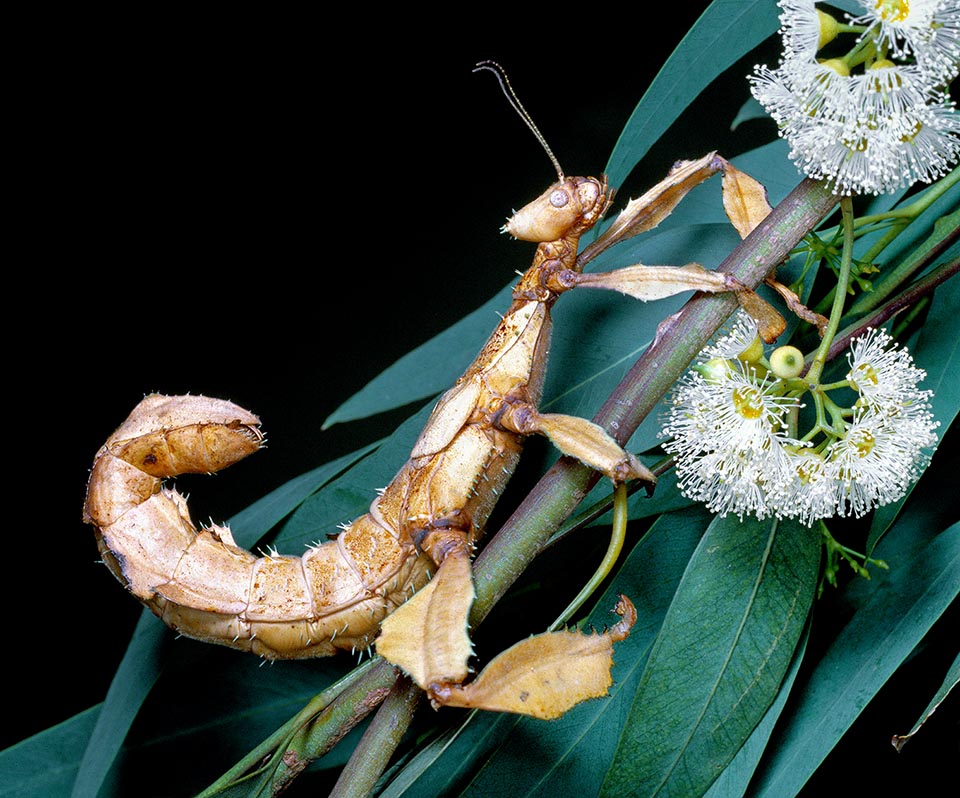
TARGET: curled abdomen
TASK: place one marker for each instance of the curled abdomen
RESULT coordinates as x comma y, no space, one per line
199,581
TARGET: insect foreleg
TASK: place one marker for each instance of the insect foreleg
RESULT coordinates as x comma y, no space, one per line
744,200
579,438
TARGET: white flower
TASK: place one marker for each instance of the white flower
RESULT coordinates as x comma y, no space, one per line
870,133
728,433
742,341
878,130
728,436
926,30
802,27
878,459
891,89
810,495
884,375
923,146
883,451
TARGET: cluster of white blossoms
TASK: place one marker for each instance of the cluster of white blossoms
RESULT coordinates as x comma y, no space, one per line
732,429
879,117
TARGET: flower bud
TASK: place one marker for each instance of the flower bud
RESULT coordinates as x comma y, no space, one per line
838,65
828,28
786,362
714,370
753,353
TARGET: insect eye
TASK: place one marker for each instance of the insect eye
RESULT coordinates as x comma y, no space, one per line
559,198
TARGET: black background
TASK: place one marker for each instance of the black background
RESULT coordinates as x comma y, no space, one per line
271,210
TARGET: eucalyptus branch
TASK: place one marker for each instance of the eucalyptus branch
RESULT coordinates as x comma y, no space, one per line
311,733
343,713
920,289
945,233
258,760
381,738
820,359
680,338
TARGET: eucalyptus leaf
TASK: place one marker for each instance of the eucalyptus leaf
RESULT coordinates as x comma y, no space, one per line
734,781
440,765
725,32
893,611
527,757
47,763
212,699
131,684
350,494
750,110
726,643
949,683
254,522
429,369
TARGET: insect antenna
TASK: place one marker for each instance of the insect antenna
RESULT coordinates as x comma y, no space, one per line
496,69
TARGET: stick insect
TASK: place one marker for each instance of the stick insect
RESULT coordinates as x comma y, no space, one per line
418,537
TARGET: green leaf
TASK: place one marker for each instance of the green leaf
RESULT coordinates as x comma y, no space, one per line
527,757
751,109
209,708
46,764
131,684
850,6
952,680
251,524
437,364
349,495
735,778
727,30
438,766
893,611
717,664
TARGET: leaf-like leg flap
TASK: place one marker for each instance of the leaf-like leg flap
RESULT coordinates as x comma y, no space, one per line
647,211
770,324
579,438
545,675
427,635
744,200
654,282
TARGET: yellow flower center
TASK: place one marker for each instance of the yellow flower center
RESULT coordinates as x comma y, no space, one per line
863,375
893,10
748,403
809,467
907,138
864,443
